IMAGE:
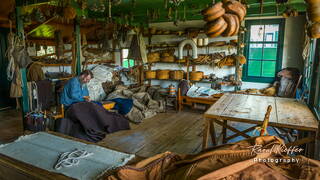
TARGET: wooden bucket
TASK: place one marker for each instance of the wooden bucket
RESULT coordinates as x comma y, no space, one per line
196,75
163,74
150,74
153,57
177,75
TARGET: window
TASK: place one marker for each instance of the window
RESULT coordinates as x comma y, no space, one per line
127,63
43,50
264,42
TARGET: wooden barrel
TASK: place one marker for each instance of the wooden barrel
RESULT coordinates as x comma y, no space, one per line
196,75
163,74
172,90
150,74
176,74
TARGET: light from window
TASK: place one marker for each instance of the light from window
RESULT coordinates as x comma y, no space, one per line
46,50
127,63
262,50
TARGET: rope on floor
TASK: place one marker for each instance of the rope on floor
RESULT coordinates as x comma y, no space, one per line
69,159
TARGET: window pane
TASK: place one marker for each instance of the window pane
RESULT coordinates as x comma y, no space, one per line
270,51
256,32
125,53
268,68
255,51
254,68
131,62
125,63
271,32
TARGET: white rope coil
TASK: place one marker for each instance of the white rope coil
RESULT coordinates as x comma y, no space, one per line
69,159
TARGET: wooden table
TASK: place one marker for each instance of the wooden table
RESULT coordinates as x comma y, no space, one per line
286,113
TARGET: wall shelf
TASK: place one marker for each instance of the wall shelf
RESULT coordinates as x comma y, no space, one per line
224,83
54,65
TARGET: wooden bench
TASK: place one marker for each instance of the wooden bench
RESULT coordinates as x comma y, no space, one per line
186,100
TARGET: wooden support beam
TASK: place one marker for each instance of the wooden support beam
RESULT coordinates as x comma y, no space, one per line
46,22
78,46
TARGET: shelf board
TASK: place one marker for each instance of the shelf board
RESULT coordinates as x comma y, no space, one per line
175,46
201,81
160,62
184,63
99,62
53,65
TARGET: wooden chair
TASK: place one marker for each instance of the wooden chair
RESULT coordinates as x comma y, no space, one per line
60,112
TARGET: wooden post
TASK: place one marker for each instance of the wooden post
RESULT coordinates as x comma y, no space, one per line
78,46
23,71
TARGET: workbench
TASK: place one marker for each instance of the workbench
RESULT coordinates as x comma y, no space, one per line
286,113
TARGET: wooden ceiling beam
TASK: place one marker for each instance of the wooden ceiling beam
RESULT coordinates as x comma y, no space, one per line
51,42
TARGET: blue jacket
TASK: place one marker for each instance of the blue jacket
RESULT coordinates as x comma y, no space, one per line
73,92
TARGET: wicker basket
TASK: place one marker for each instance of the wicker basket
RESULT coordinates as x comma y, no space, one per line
163,74
151,74
177,75
153,57
181,60
196,75
167,59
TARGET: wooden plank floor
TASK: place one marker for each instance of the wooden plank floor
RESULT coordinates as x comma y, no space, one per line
10,125
176,132
171,131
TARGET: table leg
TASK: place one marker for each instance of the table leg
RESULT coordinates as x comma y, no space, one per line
311,145
224,131
212,132
205,134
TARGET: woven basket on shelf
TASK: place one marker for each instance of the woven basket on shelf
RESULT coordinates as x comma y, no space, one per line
196,75
167,59
181,60
153,57
177,75
151,74
163,74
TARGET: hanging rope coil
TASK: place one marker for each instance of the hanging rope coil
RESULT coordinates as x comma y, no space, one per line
69,159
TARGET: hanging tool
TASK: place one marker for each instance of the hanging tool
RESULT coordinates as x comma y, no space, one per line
109,11
169,13
176,17
261,6
184,13
165,4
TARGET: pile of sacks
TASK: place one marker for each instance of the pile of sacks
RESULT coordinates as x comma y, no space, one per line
101,74
147,102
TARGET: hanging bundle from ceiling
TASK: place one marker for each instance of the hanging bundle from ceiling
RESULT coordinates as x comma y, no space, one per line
313,12
224,18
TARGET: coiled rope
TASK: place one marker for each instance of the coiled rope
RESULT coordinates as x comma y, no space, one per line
69,159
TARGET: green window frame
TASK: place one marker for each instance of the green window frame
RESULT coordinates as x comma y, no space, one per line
264,55
125,62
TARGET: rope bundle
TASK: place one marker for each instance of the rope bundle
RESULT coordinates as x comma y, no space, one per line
69,159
